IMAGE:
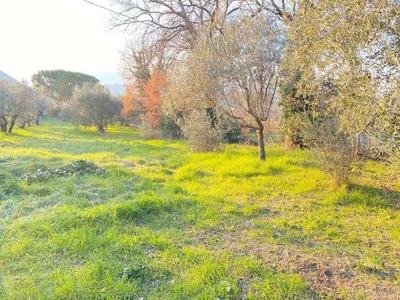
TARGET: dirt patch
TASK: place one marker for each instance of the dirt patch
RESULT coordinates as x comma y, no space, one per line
329,276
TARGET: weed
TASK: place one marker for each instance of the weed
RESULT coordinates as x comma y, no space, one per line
132,273
76,168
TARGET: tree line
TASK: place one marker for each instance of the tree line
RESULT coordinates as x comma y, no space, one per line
20,105
331,68
213,71
72,96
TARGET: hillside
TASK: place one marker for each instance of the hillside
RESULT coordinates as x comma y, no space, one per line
159,222
6,76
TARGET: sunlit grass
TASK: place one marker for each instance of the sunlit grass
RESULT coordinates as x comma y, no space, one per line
205,225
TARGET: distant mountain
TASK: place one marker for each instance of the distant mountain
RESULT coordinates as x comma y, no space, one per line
107,77
6,76
116,89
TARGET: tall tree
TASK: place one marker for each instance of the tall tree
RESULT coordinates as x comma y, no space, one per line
60,84
174,21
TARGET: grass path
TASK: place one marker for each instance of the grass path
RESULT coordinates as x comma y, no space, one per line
163,223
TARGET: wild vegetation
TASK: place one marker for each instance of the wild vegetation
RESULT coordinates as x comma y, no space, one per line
20,105
334,65
92,106
59,84
160,222
119,213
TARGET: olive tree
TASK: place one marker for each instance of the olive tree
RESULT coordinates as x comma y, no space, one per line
236,72
355,46
17,102
92,106
43,104
6,99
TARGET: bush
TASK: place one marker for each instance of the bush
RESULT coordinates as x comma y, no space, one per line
202,136
231,130
147,129
333,148
54,111
169,128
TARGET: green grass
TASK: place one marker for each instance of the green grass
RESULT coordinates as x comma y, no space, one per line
163,223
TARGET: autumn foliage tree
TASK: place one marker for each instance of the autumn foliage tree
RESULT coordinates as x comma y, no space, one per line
152,100
144,99
132,107
143,68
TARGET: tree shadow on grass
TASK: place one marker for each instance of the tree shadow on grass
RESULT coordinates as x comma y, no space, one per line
372,197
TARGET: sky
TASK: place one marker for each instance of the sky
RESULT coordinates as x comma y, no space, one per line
58,34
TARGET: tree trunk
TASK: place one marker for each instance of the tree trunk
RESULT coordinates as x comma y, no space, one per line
12,123
260,139
37,121
3,124
22,126
100,128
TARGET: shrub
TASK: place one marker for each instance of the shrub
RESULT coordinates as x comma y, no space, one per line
169,128
333,148
147,128
231,130
197,128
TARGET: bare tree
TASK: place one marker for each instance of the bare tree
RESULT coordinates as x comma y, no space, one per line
139,60
182,18
283,9
172,20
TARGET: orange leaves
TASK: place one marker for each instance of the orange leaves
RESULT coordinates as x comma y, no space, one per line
147,99
152,99
132,102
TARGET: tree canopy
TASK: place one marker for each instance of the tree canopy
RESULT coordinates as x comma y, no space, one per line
92,106
236,73
60,84
342,71
17,102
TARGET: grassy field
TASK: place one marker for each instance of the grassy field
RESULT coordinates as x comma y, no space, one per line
160,222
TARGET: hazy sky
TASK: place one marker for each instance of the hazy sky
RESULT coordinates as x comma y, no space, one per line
58,34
